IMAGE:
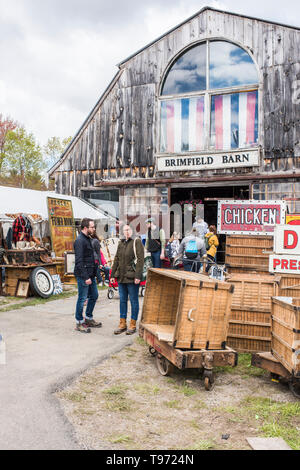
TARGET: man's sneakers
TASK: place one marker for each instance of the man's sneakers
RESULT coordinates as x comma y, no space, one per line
92,323
82,328
87,325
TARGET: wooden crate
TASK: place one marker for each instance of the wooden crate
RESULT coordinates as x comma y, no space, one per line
250,319
289,286
186,309
286,333
248,252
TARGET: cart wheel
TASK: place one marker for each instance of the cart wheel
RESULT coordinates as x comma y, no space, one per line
163,365
152,351
209,381
294,386
110,294
143,291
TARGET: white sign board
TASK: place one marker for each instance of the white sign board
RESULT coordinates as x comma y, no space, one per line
217,161
284,264
287,240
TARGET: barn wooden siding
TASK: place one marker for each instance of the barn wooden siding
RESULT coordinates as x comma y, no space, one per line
121,136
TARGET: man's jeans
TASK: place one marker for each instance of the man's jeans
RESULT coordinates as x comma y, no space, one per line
191,265
133,291
156,261
86,292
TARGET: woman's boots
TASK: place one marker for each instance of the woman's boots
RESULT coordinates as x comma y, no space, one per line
122,327
132,328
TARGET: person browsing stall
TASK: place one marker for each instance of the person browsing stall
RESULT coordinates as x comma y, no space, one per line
127,270
193,249
155,243
85,273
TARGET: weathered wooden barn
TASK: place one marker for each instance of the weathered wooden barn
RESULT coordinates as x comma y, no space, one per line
208,111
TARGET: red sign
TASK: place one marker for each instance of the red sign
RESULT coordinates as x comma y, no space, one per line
293,219
250,217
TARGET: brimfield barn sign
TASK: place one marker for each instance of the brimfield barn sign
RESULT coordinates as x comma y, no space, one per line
250,217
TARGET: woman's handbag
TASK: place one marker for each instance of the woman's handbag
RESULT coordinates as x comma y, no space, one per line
146,263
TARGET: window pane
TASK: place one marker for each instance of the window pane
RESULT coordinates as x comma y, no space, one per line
230,66
234,120
188,74
182,125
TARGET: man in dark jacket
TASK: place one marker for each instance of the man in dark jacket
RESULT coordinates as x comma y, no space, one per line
128,269
85,272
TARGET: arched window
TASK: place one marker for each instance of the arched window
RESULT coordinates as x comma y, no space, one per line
209,100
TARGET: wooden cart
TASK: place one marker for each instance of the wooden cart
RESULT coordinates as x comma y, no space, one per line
185,321
284,360
167,356
267,361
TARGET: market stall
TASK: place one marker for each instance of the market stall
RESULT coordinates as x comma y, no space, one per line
32,259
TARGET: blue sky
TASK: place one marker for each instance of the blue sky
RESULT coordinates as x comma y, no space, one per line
58,56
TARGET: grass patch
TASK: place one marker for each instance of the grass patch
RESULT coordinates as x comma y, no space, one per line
173,404
37,301
76,397
147,389
116,390
244,368
140,341
116,400
271,418
203,445
120,439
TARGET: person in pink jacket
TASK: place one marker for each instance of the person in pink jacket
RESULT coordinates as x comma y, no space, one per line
100,260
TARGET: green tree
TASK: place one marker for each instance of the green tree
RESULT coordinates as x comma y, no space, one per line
23,157
54,148
6,124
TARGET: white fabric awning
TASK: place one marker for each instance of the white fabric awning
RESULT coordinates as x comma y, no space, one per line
28,201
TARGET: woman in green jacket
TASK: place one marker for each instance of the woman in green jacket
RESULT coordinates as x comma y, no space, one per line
127,270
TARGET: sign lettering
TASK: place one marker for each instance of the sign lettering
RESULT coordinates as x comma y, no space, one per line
250,217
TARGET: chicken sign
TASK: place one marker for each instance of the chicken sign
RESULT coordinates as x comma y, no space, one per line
287,249
250,217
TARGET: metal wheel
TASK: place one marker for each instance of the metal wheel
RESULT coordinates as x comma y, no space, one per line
110,293
208,381
152,351
294,386
163,365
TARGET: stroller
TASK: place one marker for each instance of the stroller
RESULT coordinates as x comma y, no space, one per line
113,288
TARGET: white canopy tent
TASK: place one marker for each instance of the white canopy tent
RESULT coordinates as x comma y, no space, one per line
28,201
14,201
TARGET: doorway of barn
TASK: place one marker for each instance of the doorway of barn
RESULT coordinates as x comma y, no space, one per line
209,197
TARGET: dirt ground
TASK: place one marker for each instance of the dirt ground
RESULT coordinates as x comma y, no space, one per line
125,404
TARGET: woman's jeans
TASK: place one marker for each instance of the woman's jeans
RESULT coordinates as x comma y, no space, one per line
86,292
156,261
133,291
210,261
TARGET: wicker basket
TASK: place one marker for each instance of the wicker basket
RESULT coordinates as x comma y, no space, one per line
186,309
248,252
250,320
286,333
289,286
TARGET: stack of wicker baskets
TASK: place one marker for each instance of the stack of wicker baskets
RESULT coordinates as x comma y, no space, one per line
250,320
248,253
